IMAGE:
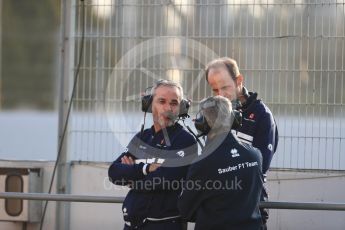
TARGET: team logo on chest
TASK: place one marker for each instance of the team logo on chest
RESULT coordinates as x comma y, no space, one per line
234,153
180,153
150,161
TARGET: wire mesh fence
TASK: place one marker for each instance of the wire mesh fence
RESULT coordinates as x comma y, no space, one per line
291,52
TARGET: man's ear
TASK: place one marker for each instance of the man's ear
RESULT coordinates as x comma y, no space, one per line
239,81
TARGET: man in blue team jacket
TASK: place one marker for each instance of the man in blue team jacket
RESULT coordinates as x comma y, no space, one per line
223,186
154,165
258,126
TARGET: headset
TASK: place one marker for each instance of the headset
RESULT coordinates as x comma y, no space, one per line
146,105
203,127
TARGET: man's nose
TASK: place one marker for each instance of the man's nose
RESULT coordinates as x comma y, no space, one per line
167,107
220,93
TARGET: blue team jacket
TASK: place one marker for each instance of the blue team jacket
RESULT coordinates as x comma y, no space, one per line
258,128
154,196
227,181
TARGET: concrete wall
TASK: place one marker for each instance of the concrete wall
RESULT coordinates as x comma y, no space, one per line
90,179
307,186
50,218
284,185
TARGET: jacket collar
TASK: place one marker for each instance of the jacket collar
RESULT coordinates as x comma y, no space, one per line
250,98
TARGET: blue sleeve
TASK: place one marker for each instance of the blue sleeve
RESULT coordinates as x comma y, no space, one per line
266,139
122,174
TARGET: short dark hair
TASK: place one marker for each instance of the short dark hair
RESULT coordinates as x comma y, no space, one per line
229,64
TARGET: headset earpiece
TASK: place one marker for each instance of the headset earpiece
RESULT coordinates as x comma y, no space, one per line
184,107
201,125
146,103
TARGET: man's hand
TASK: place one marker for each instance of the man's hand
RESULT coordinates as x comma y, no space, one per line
127,160
153,167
